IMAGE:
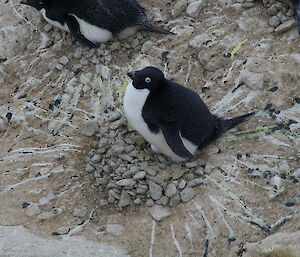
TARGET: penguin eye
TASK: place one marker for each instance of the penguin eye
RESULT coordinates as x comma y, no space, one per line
147,80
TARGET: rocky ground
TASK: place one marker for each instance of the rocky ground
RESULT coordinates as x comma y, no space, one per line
76,181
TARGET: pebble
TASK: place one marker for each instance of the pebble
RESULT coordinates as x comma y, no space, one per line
252,79
296,174
181,185
79,212
175,200
194,8
195,182
191,164
200,41
139,175
115,46
115,229
126,182
114,116
147,46
45,215
187,194
137,201
105,72
286,26
90,128
64,60
178,8
78,53
159,213
48,27
177,174
274,21
32,209
149,203
154,190
125,199
171,190
89,168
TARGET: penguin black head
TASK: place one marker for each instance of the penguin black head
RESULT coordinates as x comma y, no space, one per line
38,4
147,78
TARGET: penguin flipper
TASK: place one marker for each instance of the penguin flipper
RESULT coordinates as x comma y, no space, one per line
74,28
297,14
172,136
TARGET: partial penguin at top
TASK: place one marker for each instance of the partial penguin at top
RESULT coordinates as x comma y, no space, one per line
96,21
296,4
172,118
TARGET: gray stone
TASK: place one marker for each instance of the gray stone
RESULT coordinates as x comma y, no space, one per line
177,174
171,190
126,157
149,203
200,41
89,168
64,60
151,171
139,175
286,26
115,46
126,182
43,201
175,200
191,164
194,8
296,174
45,215
48,27
274,21
252,79
114,116
154,190
195,182
78,53
147,46
33,209
187,194
137,201
90,128
178,8
115,229
96,158
164,200
181,185
125,199
159,213
199,171
79,212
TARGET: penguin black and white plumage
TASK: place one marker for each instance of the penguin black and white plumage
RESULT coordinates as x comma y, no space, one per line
95,21
296,4
172,118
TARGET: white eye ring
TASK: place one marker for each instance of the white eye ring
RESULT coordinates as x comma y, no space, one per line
147,80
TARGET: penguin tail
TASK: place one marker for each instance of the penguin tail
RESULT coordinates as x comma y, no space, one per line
147,26
222,125
230,123
158,30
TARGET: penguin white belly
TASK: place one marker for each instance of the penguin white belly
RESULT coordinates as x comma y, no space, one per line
133,103
92,32
54,23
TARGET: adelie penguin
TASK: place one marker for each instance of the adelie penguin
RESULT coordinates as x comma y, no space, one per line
172,118
95,21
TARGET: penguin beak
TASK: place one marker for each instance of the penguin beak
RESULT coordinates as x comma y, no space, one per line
131,74
24,2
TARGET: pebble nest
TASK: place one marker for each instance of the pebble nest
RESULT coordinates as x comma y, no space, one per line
124,166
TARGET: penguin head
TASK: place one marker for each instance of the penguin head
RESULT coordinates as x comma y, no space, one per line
148,78
38,4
